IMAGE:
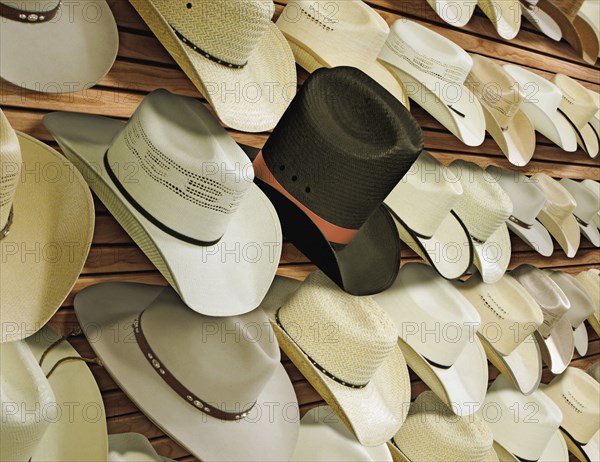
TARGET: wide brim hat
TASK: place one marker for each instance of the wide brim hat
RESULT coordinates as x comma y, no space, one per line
132,447
553,126
68,53
492,257
557,350
588,452
589,13
541,21
504,15
590,232
556,451
456,13
206,437
271,61
205,278
537,237
80,435
384,400
55,214
567,233
581,339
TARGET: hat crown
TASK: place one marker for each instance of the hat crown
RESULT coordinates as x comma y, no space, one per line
569,7
169,158
588,204
577,103
484,206
224,361
559,202
582,305
537,90
10,168
593,186
348,336
227,30
591,283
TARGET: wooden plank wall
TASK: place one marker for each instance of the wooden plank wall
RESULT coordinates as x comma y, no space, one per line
143,65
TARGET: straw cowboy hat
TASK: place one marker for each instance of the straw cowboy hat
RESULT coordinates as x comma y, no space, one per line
589,12
542,107
591,282
239,60
433,432
436,328
582,307
212,225
132,447
576,394
504,15
518,434
586,210
557,215
421,204
324,438
433,70
501,99
348,33
56,46
206,382
541,20
555,335
484,208
457,13
579,107
576,31
594,371
369,389
328,180
528,199
509,318
594,186
46,227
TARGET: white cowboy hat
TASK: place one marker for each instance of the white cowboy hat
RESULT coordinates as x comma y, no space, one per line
46,228
576,394
557,214
212,224
518,437
595,121
421,204
206,382
501,99
504,15
454,12
239,60
368,389
541,106
484,208
509,318
436,327
541,20
590,12
594,186
528,199
132,447
348,33
324,438
591,282
433,70
555,335
432,432
587,208
56,46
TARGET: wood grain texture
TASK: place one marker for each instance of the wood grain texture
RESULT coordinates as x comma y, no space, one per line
143,65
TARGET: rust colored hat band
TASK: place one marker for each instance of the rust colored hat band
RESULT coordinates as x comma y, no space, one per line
333,233
176,385
31,17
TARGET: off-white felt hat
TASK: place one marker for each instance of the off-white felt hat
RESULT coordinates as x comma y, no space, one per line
504,15
541,20
587,208
56,46
591,283
132,447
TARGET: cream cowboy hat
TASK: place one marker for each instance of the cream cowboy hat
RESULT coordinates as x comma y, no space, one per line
557,215
432,432
590,12
421,204
239,60
591,283
528,199
436,327
324,438
208,383
347,33
576,394
524,427
509,318
369,389
541,105
46,228
484,208
587,208
504,15
595,121
541,20
457,13
555,335
56,46
433,70
212,224
594,186
501,99
132,447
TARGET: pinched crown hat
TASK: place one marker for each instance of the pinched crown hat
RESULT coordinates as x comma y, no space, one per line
594,186
587,208
591,282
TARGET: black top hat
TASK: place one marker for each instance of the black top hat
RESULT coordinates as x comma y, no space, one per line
340,148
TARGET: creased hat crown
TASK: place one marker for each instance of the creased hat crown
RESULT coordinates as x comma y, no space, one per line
582,306
559,202
538,90
588,204
10,168
577,103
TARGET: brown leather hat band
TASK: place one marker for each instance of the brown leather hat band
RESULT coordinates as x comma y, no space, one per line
31,17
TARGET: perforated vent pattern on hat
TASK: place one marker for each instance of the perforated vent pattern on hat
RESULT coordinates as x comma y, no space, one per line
10,168
315,17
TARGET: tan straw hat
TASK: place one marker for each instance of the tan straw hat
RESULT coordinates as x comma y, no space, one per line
505,15
46,227
591,282
588,207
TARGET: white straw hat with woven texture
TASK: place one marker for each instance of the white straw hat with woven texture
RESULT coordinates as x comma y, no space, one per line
541,20
594,186
46,228
354,363
505,15
132,447
591,283
587,208
436,327
456,13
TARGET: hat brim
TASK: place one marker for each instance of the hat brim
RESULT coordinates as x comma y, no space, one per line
260,436
587,139
595,323
132,447
464,11
504,15
553,126
399,456
556,451
53,225
208,280
69,53
580,339
73,436
566,234
492,257
591,233
557,350
541,21
517,141
590,452
374,413
271,62
537,237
